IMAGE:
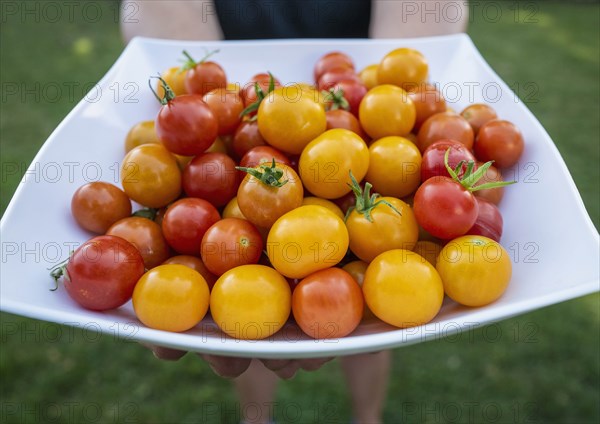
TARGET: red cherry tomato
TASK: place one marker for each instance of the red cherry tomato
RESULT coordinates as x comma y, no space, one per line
246,137
185,223
353,92
204,77
332,60
339,118
97,205
445,125
248,91
493,195
102,273
227,107
489,220
444,208
500,141
477,115
230,242
428,101
433,158
186,125
196,264
261,154
330,78
328,304
211,176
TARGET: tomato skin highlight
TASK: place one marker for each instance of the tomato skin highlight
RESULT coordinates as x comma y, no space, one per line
186,125
328,304
102,273
444,208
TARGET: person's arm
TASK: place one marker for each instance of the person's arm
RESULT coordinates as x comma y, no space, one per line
173,19
405,18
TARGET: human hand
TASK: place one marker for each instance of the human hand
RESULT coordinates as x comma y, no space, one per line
231,367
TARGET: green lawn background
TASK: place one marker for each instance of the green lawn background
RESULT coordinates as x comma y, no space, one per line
540,367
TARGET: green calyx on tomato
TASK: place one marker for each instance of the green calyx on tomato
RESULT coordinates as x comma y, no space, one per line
268,174
365,201
169,93
260,95
189,62
334,97
148,213
472,176
58,271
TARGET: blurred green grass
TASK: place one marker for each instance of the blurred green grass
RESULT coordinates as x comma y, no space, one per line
540,367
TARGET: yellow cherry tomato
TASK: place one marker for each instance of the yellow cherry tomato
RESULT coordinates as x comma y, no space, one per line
150,176
171,297
388,228
475,270
403,289
175,79
326,161
141,133
403,67
387,110
305,240
394,166
311,200
232,210
250,302
369,76
289,118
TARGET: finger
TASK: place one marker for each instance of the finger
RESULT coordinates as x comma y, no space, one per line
165,353
225,366
288,371
276,364
313,364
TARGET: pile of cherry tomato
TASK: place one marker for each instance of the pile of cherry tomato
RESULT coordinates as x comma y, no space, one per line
361,196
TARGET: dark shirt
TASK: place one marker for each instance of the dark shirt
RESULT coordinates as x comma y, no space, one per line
252,19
